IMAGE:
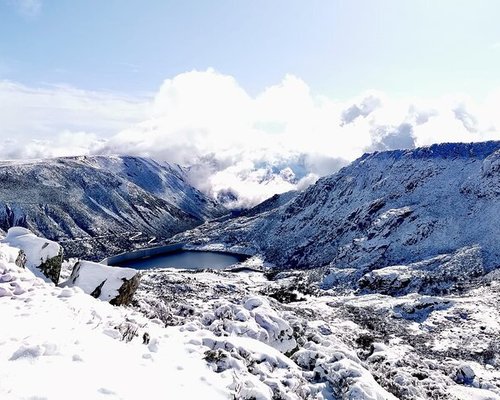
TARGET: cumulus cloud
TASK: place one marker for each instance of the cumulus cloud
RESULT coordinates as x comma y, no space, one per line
390,137
468,120
245,148
240,146
66,143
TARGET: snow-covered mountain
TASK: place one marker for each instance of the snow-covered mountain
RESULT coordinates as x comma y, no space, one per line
384,209
411,235
105,199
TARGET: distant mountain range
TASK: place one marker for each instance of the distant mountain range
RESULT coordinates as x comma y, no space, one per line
384,209
94,205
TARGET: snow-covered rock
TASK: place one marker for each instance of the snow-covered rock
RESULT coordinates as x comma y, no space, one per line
344,346
114,284
43,256
440,275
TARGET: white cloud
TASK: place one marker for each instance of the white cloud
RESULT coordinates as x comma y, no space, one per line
366,106
242,146
55,120
392,137
66,143
241,143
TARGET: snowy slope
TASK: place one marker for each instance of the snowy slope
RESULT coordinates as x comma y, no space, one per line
220,334
62,344
167,181
384,209
109,198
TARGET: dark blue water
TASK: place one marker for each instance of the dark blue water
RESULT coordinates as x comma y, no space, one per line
187,260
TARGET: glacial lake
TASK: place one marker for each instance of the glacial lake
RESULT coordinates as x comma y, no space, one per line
186,259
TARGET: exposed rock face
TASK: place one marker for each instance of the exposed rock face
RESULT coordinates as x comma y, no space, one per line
51,267
42,256
126,290
21,259
114,284
12,254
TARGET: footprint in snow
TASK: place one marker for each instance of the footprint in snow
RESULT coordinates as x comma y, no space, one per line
7,278
18,289
153,345
27,352
105,391
51,349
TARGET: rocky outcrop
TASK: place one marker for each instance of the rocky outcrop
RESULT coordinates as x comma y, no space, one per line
20,259
127,290
51,267
113,284
440,275
42,256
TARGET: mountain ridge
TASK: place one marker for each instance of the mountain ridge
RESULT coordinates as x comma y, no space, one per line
385,208
107,197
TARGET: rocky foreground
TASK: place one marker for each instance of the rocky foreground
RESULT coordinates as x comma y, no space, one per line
291,340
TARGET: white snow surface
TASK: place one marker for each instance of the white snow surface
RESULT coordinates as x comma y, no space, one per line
37,249
59,343
220,335
89,275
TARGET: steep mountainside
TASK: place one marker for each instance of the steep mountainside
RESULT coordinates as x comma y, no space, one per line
384,209
166,181
109,199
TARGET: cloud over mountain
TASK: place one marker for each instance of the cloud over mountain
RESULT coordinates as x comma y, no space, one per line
245,146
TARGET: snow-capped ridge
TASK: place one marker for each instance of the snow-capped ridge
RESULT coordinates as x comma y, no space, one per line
479,150
384,209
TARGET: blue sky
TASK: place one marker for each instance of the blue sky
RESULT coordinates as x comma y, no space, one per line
340,48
